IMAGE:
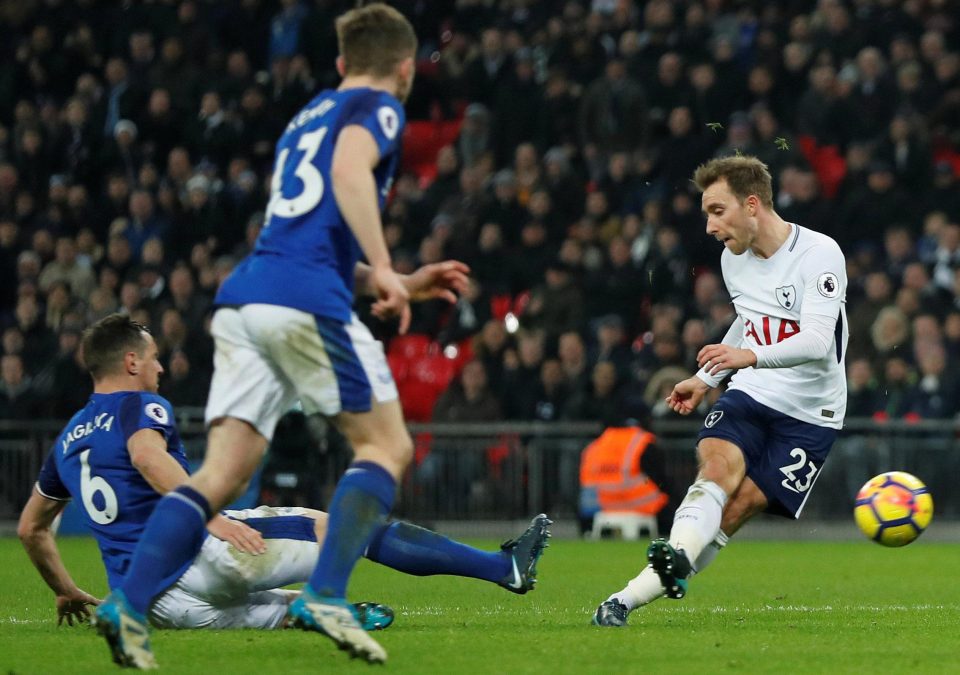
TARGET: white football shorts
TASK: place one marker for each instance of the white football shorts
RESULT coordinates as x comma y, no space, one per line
267,357
225,588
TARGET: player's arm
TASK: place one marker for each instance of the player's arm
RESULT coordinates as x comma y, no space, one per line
811,344
442,280
35,530
148,453
355,188
688,394
823,269
732,340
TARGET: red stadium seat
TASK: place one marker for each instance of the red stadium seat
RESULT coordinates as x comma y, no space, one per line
831,167
500,305
433,369
428,376
399,366
410,346
417,399
421,447
497,454
827,162
422,141
464,355
520,302
808,146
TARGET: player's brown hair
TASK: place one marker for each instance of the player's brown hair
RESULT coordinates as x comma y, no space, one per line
105,342
374,39
744,174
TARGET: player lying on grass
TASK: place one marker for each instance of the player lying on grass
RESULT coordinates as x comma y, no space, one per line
764,442
122,451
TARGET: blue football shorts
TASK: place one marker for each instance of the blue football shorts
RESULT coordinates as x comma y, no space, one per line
784,455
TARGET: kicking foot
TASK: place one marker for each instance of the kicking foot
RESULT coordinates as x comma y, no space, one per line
125,631
373,615
336,619
611,613
671,565
524,552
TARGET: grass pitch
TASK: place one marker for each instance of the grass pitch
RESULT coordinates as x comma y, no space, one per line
763,607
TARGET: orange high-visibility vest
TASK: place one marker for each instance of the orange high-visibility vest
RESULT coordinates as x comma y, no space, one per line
610,466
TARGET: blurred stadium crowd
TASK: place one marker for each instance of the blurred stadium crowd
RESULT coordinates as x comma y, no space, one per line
549,145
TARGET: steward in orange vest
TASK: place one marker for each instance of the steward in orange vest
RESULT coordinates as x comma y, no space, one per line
611,478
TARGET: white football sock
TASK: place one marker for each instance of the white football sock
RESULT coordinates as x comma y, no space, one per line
641,590
709,553
697,520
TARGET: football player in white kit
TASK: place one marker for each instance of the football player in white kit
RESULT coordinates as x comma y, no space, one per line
764,442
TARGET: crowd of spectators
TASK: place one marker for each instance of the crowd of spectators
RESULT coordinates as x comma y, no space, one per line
136,144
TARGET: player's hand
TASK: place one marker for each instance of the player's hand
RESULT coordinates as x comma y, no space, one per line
393,298
73,605
437,280
687,395
237,533
714,358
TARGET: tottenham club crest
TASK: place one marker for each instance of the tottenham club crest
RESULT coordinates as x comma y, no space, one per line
712,419
828,285
787,296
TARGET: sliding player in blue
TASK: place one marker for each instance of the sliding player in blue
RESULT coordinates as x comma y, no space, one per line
122,451
284,331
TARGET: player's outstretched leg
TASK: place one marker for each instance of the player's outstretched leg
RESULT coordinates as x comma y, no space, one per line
524,552
414,550
647,587
125,631
338,620
671,565
373,615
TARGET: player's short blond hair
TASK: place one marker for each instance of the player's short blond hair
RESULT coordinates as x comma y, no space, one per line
374,39
745,176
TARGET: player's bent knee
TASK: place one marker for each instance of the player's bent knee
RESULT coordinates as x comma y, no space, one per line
395,457
721,462
394,445
219,487
404,449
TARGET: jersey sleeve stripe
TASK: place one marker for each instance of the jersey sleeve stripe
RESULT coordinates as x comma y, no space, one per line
129,414
51,497
838,337
300,528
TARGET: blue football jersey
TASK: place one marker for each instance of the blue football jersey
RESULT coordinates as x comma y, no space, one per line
306,252
90,462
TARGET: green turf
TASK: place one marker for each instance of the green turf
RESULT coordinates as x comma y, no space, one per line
763,607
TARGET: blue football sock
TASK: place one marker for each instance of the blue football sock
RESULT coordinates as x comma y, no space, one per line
415,550
359,507
171,540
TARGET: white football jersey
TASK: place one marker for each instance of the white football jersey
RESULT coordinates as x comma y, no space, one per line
807,274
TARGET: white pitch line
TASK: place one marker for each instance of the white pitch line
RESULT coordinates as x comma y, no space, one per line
740,609
498,610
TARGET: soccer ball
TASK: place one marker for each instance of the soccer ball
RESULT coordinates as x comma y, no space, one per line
893,508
